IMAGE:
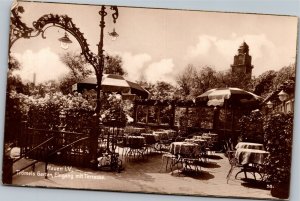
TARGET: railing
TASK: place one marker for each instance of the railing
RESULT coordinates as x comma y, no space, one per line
67,148
27,154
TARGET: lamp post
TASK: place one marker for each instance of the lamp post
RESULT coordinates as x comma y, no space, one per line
65,41
21,30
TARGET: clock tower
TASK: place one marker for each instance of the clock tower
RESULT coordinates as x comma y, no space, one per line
242,62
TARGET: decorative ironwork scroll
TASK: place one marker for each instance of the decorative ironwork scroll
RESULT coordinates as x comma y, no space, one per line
20,30
65,22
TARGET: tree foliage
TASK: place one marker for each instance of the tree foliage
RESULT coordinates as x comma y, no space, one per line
285,73
160,90
271,80
205,79
14,82
265,83
251,127
185,80
194,81
113,65
78,71
278,130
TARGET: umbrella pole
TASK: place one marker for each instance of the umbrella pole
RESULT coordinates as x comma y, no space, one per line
225,118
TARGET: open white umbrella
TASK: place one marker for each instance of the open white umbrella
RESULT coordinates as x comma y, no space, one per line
218,96
113,83
235,97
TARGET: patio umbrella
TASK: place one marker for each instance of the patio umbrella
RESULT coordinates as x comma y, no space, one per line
228,96
234,96
113,83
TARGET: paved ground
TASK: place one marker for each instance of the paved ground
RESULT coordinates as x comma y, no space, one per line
146,176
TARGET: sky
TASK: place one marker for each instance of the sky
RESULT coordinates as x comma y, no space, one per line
157,44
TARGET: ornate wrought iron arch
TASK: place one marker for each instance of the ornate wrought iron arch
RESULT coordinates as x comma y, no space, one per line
65,22
21,30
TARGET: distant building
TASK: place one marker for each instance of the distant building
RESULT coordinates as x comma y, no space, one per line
242,62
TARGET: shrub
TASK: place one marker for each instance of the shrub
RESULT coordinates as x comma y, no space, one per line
251,127
114,112
278,131
55,111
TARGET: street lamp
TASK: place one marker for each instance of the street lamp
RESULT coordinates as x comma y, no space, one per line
20,30
65,41
114,35
269,104
282,96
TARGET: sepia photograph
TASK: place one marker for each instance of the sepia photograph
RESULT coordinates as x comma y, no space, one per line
150,100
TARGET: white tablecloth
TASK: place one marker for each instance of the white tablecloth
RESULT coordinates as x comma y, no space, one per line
249,145
246,156
185,148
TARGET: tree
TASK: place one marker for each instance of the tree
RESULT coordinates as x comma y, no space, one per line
271,80
224,78
239,80
193,82
264,83
76,63
78,71
162,91
185,80
113,65
13,114
205,79
14,82
285,73
13,64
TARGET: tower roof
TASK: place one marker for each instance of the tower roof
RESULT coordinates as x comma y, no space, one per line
244,48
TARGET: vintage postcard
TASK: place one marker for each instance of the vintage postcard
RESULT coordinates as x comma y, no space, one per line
163,101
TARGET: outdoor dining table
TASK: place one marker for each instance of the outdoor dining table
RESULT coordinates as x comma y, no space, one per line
249,145
187,154
250,160
250,156
163,135
197,137
135,141
184,148
136,146
150,138
171,133
131,130
199,141
213,136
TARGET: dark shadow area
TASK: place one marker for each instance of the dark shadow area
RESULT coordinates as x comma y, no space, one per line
252,183
200,175
209,164
215,157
